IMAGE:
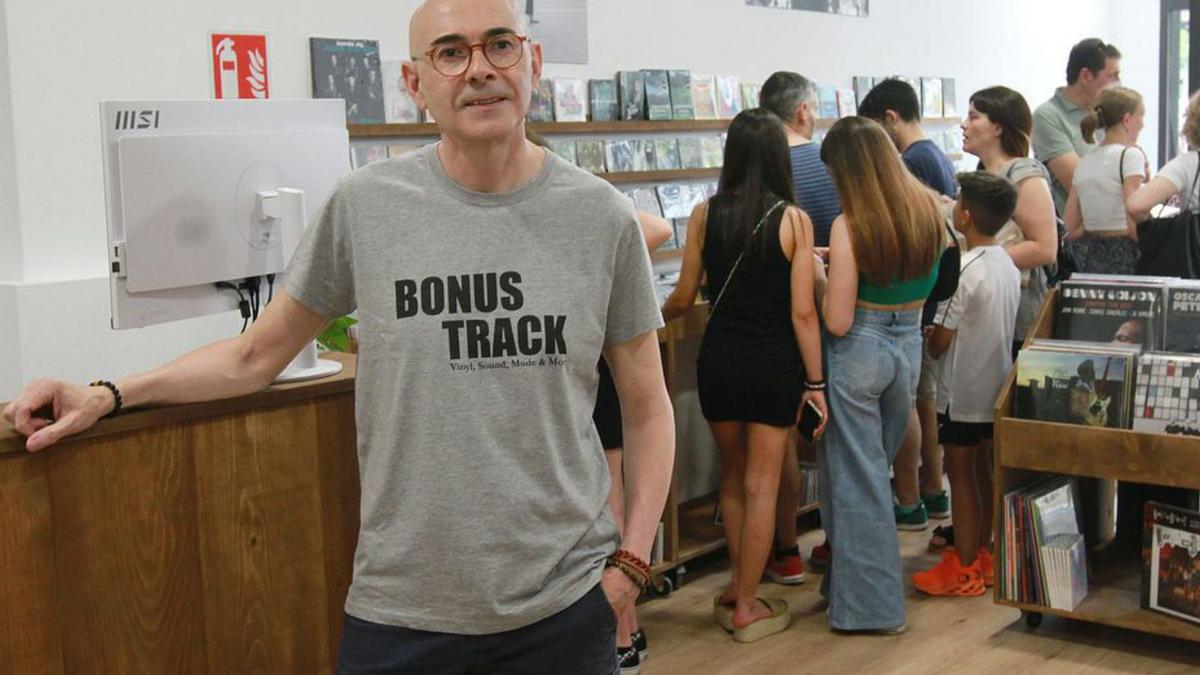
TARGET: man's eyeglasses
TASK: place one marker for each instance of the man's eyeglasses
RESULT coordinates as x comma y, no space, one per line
454,58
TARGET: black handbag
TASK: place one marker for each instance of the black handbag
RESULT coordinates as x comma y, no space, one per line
1170,246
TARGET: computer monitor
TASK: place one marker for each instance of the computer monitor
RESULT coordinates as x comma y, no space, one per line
203,192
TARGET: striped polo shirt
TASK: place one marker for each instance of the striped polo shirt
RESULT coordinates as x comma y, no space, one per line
814,189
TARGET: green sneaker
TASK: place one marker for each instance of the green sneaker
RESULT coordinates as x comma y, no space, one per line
912,518
938,506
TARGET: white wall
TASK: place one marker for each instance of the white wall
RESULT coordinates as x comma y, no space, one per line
158,49
10,232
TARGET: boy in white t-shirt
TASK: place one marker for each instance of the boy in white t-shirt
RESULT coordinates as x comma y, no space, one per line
972,340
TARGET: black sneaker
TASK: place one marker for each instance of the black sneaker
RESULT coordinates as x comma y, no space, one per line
640,644
628,660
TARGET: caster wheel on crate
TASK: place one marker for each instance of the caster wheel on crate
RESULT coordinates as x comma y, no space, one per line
662,588
1033,619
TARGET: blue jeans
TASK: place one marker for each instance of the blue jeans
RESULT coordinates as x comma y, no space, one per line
873,372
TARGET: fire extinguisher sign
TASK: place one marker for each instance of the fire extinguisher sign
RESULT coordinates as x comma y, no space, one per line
239,65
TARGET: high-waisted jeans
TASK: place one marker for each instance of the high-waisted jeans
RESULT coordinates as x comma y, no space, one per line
873,372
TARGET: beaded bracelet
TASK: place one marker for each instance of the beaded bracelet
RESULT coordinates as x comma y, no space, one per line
116,396
630,572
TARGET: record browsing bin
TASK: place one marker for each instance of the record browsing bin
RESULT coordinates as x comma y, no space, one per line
1026,448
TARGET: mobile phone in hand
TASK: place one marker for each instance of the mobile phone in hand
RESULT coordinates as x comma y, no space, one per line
810,419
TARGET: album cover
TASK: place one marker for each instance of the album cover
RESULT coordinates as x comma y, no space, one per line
590,155
666,154
751,95
704,96
362,155
602,95
570,100
631,90
729,96
847,104
541,103
1167,397
714,153
862,86
564,149
1127,312
680,82
618,156
350,70
827,97
949,98
399,106
691,152
658,95
1182,317
646,199
644,155
1082,387
954,141
931,97
1171,561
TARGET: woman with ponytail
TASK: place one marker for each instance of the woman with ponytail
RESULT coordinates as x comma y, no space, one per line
1105,236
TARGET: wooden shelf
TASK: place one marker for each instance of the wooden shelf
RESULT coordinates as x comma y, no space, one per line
1122,454
661,176
698,534
619,127
1022,446
1115,599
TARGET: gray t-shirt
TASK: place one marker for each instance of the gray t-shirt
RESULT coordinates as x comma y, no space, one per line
1033,281
482,317
1056,132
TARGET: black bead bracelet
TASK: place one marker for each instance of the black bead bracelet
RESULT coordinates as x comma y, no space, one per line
116,396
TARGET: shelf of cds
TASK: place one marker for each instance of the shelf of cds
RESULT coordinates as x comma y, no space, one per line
1107,386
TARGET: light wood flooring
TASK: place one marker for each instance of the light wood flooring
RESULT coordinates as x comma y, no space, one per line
945,635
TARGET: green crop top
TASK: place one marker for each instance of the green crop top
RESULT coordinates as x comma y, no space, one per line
898,292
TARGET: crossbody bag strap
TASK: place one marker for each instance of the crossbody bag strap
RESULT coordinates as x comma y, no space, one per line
1121,166
736,263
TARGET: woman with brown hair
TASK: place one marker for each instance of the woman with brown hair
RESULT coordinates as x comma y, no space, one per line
760,359
883,255
997,131
1105,237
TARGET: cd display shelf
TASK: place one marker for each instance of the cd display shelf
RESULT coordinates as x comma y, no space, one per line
1026,448
362,132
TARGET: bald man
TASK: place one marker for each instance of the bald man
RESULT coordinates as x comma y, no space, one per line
488,277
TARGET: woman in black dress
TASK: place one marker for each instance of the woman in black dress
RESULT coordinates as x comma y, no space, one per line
756,249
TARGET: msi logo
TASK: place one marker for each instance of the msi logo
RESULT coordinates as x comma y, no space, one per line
137,119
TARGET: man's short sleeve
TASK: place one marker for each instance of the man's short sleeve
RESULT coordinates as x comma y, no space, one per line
1050,137
950,312
321,273
632,305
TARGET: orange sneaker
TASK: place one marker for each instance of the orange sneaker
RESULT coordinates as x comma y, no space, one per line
987,566
951,577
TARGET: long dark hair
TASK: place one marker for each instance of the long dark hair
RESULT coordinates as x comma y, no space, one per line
1008,109
756,174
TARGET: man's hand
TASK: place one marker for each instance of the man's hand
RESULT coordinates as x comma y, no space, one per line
74,408
619,589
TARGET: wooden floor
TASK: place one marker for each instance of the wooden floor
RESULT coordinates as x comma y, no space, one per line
945,635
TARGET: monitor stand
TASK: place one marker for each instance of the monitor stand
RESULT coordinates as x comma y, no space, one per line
306,366
287,205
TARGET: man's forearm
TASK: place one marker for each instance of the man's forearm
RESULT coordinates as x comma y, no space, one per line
649,461
216,371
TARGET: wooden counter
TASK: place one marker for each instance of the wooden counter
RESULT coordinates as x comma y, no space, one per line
206,538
